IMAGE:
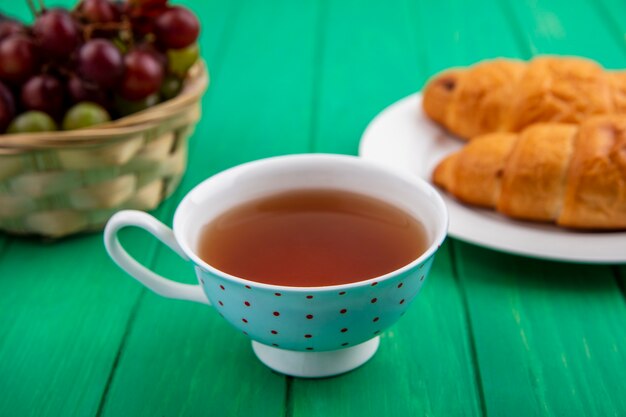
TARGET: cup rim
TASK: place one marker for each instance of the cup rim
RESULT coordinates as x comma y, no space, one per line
423,185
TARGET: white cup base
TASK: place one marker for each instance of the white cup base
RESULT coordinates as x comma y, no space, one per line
315,364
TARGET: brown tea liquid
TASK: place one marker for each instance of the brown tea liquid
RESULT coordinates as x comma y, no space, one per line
312,238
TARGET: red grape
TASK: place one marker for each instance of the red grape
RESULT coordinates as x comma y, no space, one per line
43,93
148,3
81,90
7,97
100,61
77,89
10,27
156,54
7,107
99,11
18,58
143,18
57,33
143,75
176,28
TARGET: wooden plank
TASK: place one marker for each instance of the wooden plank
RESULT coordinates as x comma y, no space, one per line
259,107
65,306
549,336
610,12
568,28
425,363
61,324
360,47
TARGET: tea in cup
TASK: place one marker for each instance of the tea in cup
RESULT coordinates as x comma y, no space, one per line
310,256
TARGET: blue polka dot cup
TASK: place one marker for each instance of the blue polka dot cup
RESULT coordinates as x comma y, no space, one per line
299,331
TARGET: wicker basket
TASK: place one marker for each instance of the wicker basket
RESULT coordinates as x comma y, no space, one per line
59,183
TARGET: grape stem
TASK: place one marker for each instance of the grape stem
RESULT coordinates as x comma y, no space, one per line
122,27
33,8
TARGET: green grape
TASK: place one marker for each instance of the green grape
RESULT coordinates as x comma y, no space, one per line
127,107
32,121
171,87
85,114
180,60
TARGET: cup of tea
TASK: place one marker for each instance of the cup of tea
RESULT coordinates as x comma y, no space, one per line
310,256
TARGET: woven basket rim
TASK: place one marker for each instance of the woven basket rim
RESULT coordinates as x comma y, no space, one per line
195,84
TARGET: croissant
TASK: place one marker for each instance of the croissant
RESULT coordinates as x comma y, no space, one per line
572,175
505,95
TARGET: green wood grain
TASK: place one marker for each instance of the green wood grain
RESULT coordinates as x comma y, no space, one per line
65,311
258,106
549,336
424,365
611,12
61,322
361,44
568,28
452,33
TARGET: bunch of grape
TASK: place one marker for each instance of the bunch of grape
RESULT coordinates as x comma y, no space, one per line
99,61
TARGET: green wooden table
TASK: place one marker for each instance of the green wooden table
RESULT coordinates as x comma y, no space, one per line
491,334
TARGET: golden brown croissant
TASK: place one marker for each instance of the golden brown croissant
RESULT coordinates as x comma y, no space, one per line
508,95
572,175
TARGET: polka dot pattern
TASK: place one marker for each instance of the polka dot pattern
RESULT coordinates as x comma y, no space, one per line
314,320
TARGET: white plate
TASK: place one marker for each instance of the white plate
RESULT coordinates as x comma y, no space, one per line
403,137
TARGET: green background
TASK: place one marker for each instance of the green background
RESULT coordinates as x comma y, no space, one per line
491,334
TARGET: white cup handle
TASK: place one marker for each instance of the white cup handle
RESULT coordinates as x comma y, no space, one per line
153,281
